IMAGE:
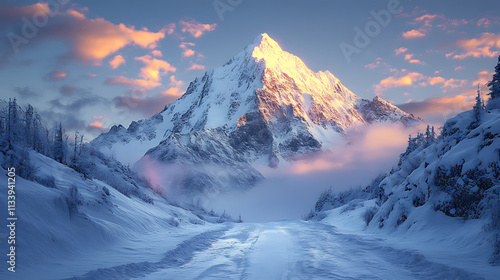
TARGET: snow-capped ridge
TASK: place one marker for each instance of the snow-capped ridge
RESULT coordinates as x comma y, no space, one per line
265,103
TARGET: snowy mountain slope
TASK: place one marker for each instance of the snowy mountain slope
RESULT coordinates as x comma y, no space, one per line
445,189
264,103
73,224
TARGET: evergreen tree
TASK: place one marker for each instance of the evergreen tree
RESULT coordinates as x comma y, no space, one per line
28,122
477,110
59,144
494,84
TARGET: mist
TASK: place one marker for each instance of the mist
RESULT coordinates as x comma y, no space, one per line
291,191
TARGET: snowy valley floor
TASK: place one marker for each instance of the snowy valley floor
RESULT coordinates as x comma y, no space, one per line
294,250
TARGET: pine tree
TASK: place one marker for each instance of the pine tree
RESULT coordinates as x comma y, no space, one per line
59,144
28,120
494,86
477,110
428,135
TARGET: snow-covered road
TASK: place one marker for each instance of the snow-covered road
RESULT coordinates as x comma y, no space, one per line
283,250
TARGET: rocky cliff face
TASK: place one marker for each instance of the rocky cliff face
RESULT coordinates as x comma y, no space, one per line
264,105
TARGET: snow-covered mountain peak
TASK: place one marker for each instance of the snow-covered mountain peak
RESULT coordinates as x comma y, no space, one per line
263,105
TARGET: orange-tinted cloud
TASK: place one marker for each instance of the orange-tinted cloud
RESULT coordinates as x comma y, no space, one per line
410,59
132,83
418,79
195,28
154,68
415,33
408,80
186,51
57,75
175,83
156,53
194,66
150,74
400,50
96,124
116,61
90,40
482,78
487,45
16,13
438,109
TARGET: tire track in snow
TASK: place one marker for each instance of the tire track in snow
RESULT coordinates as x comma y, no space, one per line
341,256
182,254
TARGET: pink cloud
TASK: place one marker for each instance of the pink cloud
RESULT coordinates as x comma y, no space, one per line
400,50
186,51
147,106
195,28
16,13
438,109
154,68
116,61
417,79
408,80
195,66
156,53
413,34
57,75
97,124
150,74
89,40
487,45
175,83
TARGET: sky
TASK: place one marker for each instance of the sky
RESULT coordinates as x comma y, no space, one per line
94,64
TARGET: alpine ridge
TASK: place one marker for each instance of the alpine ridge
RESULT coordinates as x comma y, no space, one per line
263,106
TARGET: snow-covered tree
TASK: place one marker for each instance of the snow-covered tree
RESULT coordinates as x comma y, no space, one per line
494,86
59,144
477,111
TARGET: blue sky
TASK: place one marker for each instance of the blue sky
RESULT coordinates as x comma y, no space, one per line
94,64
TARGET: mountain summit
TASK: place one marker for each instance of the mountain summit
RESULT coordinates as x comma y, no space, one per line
264,105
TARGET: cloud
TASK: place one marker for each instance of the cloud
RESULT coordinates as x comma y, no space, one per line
175,83
439,109
154,68
97,124
482,78
414,33
90,40
194,66
186,51
156,53
15,13
150,74
131,83
195,28
116,61
400,50
90,75
292,189
487,45
408,80
409,57
426,18
25,92
57,75
147,106
417,79
67,90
